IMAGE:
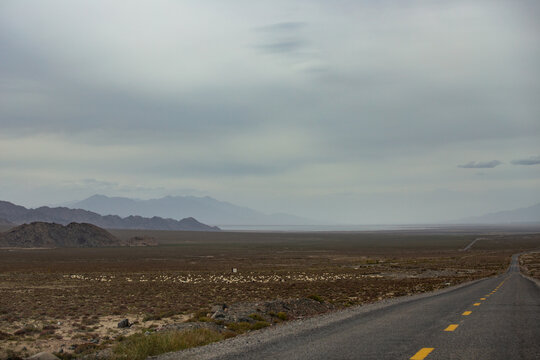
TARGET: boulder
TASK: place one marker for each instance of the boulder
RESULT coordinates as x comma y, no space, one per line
124,324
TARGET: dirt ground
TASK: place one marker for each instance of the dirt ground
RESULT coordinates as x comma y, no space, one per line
53,299
530,264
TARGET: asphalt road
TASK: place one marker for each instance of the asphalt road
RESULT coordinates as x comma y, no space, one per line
495,318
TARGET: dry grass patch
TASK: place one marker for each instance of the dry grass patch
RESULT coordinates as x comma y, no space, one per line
140,346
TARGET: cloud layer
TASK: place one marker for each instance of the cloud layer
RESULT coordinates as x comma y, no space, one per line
281,106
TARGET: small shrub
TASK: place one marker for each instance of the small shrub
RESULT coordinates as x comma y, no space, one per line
50,327
259,325
205,319
229,334
89,321
13,355
316,298
239,327
150,317
256,317
85,348
282,315
139,346
27,330
201,315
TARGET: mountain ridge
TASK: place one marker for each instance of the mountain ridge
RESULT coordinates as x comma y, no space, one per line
62,215
206,209
530,214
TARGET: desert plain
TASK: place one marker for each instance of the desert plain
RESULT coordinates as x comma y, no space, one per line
69,301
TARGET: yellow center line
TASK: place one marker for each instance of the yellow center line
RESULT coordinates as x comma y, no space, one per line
420,355
467,313
476,304
451,327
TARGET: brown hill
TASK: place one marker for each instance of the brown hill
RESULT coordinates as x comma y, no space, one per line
50,235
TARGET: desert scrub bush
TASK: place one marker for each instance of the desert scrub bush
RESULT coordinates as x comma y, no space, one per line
139,346
15,355
27,330
282,315
239,327
316,298
86,321
150,317
201,315
256,317
259,325
85,348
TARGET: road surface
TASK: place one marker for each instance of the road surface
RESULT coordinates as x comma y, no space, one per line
495,318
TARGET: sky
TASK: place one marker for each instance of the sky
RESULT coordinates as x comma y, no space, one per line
358,112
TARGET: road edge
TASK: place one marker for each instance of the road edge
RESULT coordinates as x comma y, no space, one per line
248,340
534,280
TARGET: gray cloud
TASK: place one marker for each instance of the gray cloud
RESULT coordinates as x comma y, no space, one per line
533,160
291,26
481,164
282,38
283,47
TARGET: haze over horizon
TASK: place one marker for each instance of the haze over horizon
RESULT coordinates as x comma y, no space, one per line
352,111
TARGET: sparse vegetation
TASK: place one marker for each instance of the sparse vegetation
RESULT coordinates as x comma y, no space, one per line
244,326
80,288
257,317
259,325
316,298
139,346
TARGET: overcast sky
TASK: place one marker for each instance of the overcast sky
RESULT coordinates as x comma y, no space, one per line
364,111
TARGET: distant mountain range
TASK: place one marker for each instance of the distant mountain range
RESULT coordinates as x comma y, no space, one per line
19,214
206,209
529,214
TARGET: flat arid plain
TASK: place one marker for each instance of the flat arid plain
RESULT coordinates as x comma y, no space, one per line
217,285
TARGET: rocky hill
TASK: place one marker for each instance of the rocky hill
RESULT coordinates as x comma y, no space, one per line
50,235
62,215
